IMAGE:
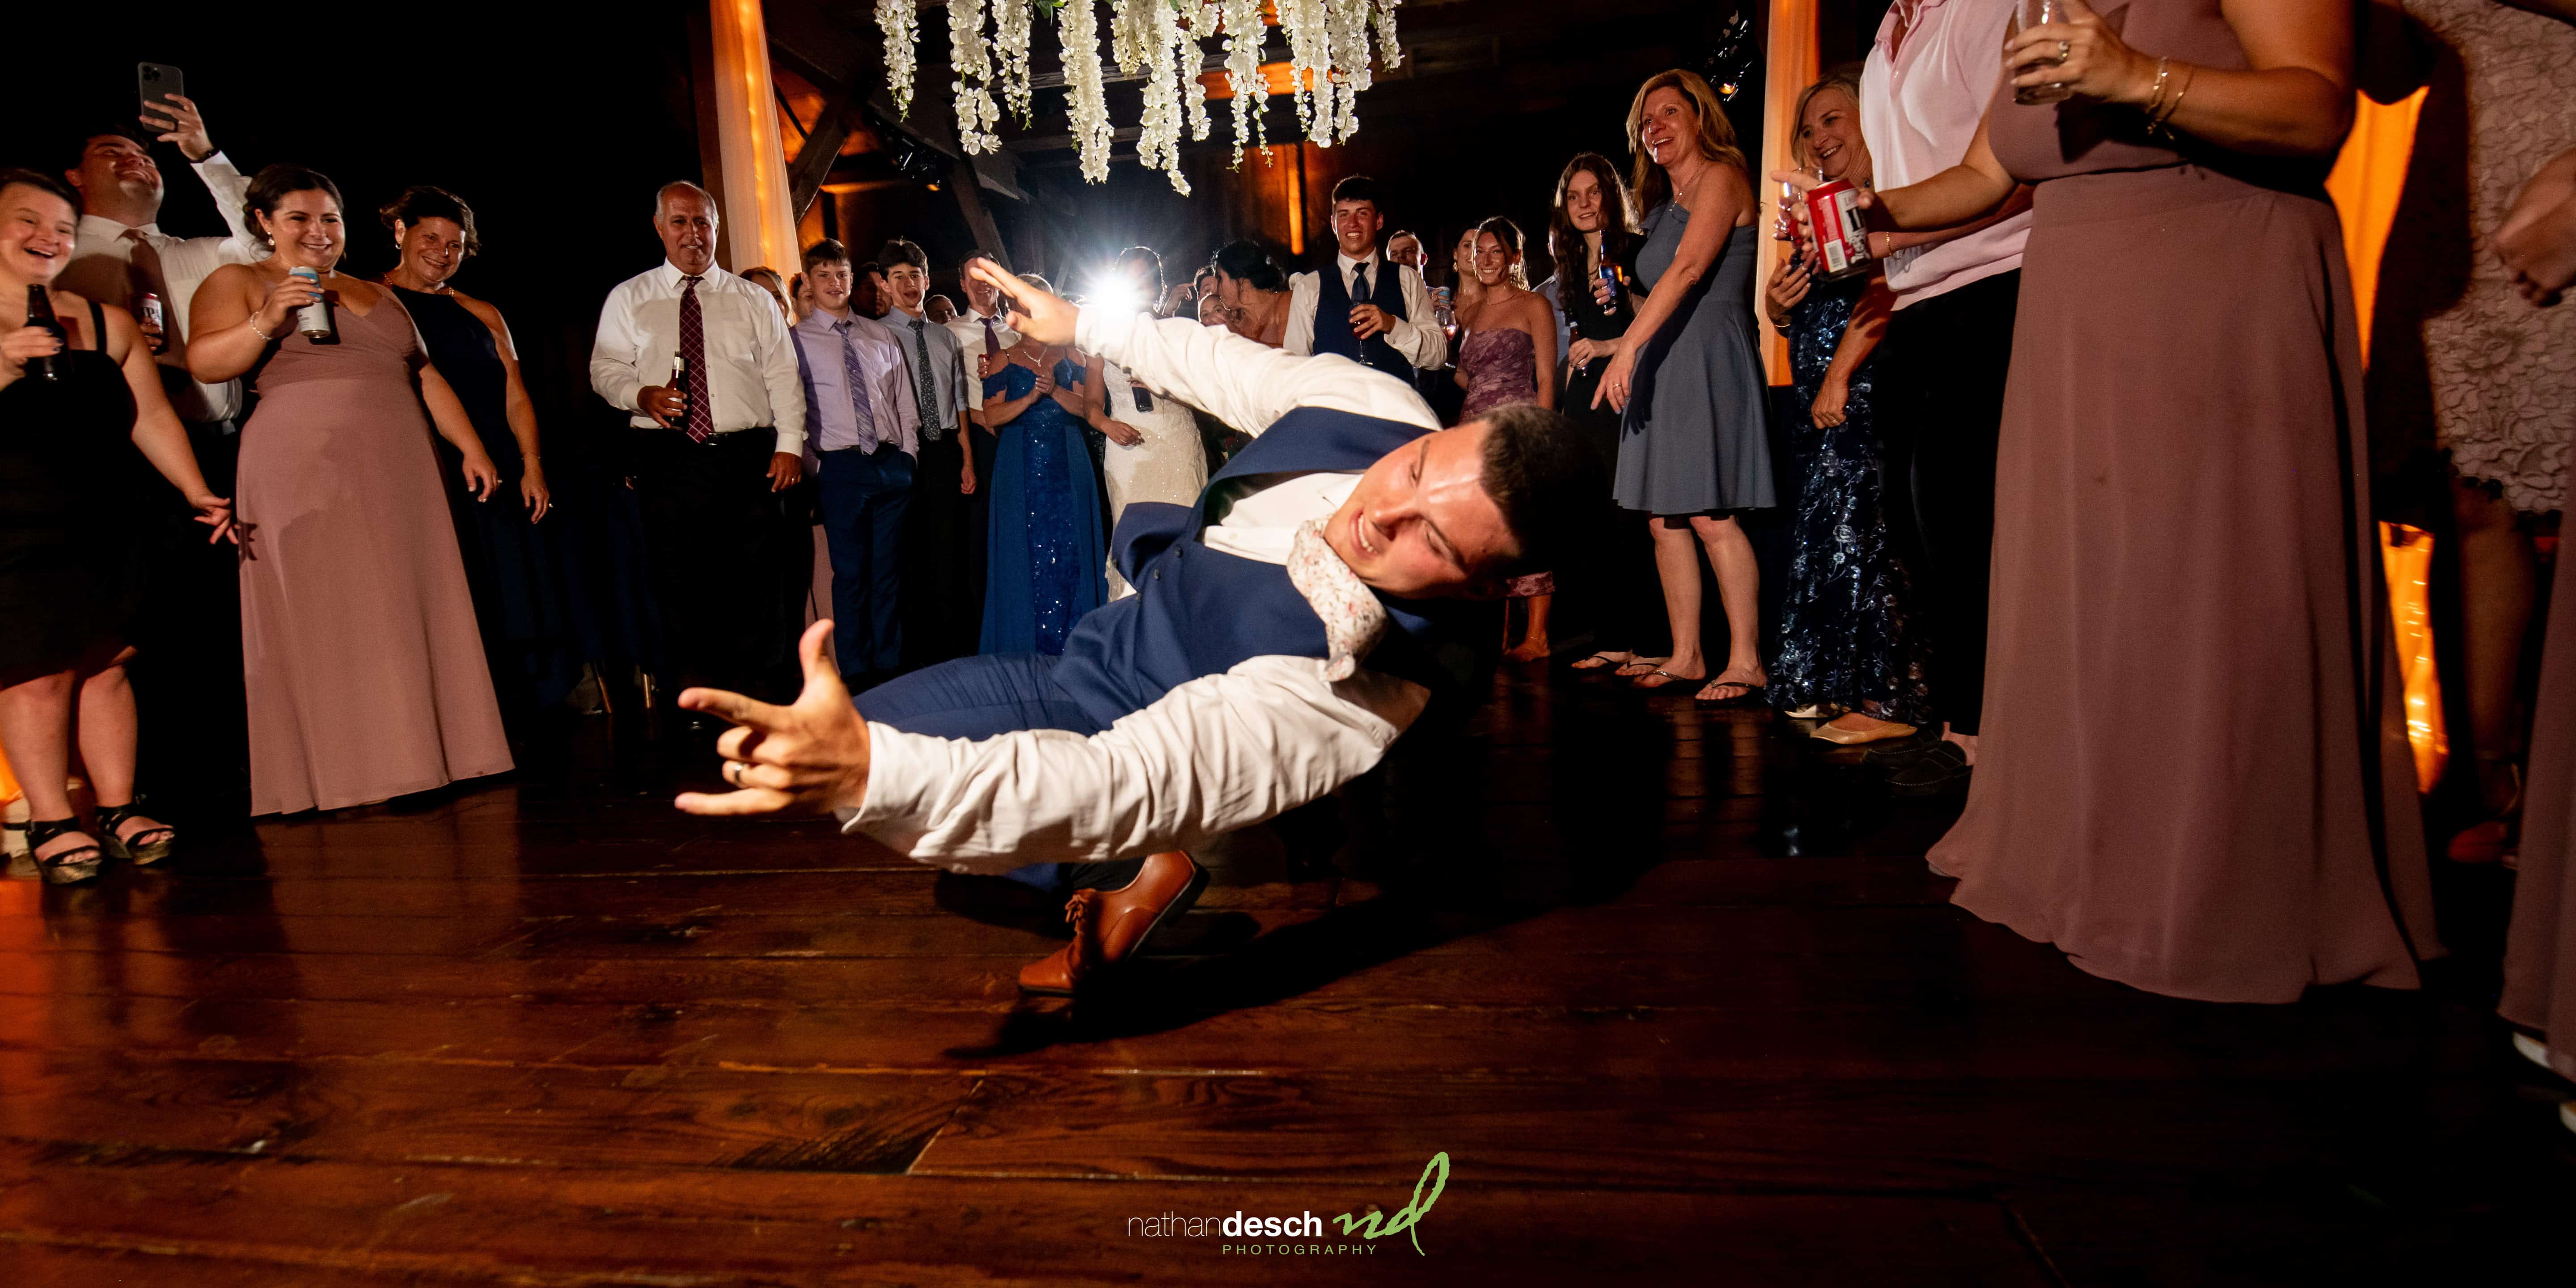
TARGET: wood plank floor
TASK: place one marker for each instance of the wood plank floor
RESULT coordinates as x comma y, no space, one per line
1671,990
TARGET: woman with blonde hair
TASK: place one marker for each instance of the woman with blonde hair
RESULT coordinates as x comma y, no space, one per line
1693,450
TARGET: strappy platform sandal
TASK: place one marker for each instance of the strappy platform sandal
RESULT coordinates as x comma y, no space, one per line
71,867
149,846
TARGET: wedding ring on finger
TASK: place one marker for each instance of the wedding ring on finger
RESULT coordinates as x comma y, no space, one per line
734,770
2065,50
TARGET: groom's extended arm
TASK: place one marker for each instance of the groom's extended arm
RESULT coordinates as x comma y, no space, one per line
1218,753
1245,384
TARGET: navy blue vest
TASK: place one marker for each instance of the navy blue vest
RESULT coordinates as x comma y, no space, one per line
1198,611
1333,316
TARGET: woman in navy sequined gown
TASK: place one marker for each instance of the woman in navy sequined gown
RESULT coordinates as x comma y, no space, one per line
1847,648
1047,547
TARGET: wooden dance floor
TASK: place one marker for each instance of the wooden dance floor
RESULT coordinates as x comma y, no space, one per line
552,1032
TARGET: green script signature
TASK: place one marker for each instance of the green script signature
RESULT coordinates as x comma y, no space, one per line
1411,1213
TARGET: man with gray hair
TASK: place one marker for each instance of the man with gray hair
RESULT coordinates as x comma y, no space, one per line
701,362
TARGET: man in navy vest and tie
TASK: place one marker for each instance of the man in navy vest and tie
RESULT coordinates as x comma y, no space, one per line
1364,307
1284,631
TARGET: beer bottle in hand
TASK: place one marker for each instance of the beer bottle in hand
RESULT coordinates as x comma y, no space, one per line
40,317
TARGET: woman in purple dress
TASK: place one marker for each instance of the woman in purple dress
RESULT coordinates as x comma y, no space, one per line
1507,354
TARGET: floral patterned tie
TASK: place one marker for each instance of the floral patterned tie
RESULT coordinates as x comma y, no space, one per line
1354,620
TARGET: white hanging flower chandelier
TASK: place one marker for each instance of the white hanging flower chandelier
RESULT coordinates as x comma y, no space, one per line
1329,51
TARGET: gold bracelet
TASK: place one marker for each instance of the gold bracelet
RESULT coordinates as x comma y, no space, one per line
2159,124
2156,95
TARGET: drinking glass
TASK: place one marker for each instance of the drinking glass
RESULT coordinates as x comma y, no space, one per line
2026,15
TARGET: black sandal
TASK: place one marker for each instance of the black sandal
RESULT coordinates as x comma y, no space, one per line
1754,695
71,867
163,838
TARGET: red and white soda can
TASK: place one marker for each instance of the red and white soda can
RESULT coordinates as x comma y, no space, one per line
1842,236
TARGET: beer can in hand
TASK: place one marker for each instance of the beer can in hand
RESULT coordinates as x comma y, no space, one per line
313,321
1842,237
153,319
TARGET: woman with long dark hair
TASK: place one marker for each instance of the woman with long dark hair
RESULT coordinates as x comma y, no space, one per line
1694,450
509,553
1592,226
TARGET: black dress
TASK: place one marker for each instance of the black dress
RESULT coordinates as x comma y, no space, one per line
71,567
1846,637
510,563
1615,593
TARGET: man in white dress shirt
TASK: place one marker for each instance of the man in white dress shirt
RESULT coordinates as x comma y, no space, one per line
715,448
122,254
1369,309
1230,687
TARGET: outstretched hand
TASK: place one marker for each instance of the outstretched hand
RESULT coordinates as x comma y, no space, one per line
810,757
1036,314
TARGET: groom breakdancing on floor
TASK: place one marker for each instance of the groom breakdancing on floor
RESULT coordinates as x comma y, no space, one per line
1230,686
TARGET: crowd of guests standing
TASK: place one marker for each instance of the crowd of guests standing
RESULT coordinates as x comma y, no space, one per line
2076,482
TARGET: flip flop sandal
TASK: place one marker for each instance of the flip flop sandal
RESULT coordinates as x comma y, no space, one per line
1599,661
1754,695
1638,667
1667,681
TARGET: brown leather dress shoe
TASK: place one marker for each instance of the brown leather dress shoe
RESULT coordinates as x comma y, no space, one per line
1109,926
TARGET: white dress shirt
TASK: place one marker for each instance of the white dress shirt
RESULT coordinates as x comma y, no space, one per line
1416,335
1920,107
102,270
752,380
831,414
968,327
1218,753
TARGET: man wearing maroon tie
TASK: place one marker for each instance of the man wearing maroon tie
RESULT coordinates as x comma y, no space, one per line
702,362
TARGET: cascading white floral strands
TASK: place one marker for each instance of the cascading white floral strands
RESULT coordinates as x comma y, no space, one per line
977,113
1158,136
1197,22
1310,60
1350,65
1077,28
1244,33
901,27
1011,22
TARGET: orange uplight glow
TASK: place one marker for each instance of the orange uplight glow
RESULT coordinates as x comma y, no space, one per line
1275,77
759,228
1791,67
2406,557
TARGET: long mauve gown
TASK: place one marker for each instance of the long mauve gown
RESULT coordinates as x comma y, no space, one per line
2190,775
2540,949
363,667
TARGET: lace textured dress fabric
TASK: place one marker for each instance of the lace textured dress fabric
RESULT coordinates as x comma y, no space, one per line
1847,637
2458,358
